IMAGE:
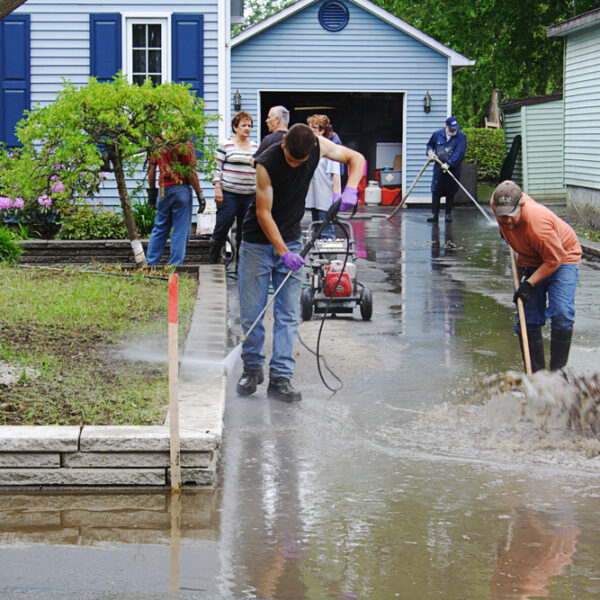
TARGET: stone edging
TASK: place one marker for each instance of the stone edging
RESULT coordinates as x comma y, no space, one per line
105,456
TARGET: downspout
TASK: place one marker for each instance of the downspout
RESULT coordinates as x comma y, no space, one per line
449,84
223,65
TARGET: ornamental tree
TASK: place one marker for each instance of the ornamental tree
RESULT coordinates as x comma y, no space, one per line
110,127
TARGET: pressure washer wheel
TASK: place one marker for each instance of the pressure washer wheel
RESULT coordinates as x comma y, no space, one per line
366,304
306,304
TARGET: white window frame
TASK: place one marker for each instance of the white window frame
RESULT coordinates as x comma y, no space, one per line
130,19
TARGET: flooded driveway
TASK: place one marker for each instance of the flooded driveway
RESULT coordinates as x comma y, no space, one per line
407,483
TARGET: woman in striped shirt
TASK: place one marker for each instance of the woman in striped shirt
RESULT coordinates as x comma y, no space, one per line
235,183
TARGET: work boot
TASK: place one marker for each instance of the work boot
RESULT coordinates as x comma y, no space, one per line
281,388
249,381
435,209
536,349
560,344
448,208
214,252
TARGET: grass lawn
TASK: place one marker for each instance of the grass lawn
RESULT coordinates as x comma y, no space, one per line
71,328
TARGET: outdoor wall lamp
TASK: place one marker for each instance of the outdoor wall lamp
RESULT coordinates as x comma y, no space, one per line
427,102
237,101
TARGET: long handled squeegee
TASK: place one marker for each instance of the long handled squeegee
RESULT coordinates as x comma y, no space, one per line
410,189
464,189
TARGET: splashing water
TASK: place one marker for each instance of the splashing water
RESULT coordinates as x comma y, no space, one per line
547,400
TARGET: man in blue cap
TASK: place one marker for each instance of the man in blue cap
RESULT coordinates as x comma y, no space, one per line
448,145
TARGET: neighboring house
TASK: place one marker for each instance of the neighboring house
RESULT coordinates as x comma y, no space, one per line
539,165
43,42
581,97
368,70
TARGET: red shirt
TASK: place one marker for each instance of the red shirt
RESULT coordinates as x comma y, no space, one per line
541,237
168,165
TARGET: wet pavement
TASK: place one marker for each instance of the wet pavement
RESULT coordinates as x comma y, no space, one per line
404,484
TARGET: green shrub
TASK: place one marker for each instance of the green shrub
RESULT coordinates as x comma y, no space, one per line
9,249
144,218
486,146
88,223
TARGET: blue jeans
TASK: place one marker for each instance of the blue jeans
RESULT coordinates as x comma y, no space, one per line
559,289
259,263
174,209
319,215
233,205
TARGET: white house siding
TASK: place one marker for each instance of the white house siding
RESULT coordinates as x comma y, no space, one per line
582,108
367,55
60,48
512,128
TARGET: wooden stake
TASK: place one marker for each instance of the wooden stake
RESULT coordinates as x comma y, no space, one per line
173,386
521,312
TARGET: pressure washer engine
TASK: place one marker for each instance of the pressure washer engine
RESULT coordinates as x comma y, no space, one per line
332,286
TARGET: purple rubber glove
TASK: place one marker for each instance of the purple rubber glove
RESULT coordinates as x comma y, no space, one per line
292,261
349,198
336,196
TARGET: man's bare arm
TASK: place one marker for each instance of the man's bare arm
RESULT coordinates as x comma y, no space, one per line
344,155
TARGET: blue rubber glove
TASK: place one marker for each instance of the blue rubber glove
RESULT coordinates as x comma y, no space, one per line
292,260
349,198
336,196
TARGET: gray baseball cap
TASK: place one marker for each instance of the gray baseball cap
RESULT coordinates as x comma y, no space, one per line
507,199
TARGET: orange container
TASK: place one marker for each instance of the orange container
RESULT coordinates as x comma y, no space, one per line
388,196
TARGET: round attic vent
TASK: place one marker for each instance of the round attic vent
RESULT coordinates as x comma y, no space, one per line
333,15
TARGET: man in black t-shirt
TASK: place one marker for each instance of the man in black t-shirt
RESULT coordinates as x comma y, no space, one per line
271,246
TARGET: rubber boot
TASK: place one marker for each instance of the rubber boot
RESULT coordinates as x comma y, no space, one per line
435,209
449,203
536,349
560,344
214,252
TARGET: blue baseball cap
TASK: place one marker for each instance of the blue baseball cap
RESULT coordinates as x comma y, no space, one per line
452,123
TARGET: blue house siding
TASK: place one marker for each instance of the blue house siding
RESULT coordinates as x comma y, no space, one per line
60,48
368,55
582,108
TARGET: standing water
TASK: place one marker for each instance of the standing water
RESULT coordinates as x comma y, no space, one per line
436,472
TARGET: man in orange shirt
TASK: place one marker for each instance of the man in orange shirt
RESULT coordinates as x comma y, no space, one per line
548,265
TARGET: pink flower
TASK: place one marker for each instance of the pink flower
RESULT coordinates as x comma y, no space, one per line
5,202
103,175
58,187
18,203
44,200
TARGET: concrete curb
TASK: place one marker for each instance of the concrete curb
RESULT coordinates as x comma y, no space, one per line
103,456
591,249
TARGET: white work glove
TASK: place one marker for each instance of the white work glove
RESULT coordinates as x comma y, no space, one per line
445,167
431,154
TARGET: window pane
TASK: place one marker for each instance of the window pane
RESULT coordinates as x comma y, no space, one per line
154,61
156,79
139,36
154,38
139,61
139,79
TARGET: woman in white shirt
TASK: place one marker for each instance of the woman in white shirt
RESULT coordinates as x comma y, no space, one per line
235,183
325,185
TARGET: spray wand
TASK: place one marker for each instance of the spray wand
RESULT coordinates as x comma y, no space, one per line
329,218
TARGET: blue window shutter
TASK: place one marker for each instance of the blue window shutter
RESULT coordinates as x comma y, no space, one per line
15,80
105,45
188,51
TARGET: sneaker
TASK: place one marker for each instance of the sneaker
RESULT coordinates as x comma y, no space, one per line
448,218
249,381
432,218
281,388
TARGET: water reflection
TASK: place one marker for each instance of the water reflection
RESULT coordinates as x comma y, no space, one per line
537,547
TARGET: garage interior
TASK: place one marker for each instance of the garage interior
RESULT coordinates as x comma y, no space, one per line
369,122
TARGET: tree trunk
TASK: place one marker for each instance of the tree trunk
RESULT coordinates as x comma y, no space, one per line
136,245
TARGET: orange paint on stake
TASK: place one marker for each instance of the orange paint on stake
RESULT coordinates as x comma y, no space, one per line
173,387
173,279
